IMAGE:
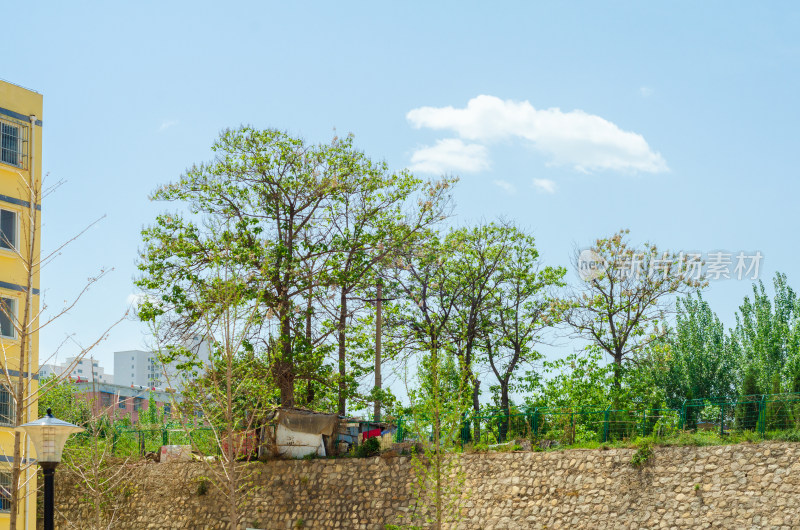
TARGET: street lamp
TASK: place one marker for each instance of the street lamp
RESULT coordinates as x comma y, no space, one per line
49,435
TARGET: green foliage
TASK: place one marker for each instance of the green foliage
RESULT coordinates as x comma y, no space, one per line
65,400
697,359
580,379
304,227
622,310
767,331
369,447
642,454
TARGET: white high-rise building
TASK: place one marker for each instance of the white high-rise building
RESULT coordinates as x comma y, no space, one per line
86,370
140,368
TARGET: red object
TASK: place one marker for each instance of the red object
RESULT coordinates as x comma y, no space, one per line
372,434
245,443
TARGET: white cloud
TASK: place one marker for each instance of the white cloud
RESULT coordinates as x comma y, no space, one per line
506,186
450,154
544,185
166,124
646,91
584,141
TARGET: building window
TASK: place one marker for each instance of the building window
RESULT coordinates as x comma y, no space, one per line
5,491
10,144
8,315
121,402
8,229
6,407
167,409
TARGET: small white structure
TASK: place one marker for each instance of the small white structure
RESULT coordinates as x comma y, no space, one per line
300,432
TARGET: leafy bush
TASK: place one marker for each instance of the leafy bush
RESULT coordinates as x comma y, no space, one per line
369,447
642,455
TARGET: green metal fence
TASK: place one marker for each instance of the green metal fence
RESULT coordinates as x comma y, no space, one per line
765,415
133,442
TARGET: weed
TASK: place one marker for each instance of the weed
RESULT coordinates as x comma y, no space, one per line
480,448
642,455
300,523
202,487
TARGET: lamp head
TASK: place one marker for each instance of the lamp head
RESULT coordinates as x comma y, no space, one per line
49,435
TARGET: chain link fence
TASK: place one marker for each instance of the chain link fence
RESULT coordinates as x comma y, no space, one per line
767,416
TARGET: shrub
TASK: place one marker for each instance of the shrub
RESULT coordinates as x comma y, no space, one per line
369,447
642,455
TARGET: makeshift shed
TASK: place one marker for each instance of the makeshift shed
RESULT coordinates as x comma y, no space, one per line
300,432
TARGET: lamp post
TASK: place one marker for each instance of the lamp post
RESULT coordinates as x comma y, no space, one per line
49,435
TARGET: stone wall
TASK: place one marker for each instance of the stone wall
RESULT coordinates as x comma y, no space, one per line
736,486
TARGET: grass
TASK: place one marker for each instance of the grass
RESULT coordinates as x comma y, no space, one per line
679,439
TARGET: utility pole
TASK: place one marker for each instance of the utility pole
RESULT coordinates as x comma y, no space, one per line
379,299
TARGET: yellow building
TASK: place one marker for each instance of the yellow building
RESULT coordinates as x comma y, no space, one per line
20,190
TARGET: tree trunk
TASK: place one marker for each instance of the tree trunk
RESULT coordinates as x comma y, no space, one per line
284,378
378,325
309,382
342,355
476,407
437,435
282,368
504,420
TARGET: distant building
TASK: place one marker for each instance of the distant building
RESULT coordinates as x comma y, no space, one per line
118,402
83,370
143,369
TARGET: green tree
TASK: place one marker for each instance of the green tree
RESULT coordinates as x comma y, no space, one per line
522,308
750,395
428,306
66,401
621,304
700,362
372,221
767,331
232,389
272,202
478,255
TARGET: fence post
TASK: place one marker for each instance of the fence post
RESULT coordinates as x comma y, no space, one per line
644,422
572,422
536,422
762,412
114,442
722,419
164,435
606,414
683,416
398,435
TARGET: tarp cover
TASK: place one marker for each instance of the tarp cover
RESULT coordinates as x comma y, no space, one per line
307,422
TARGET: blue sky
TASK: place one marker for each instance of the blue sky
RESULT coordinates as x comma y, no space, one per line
678,121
